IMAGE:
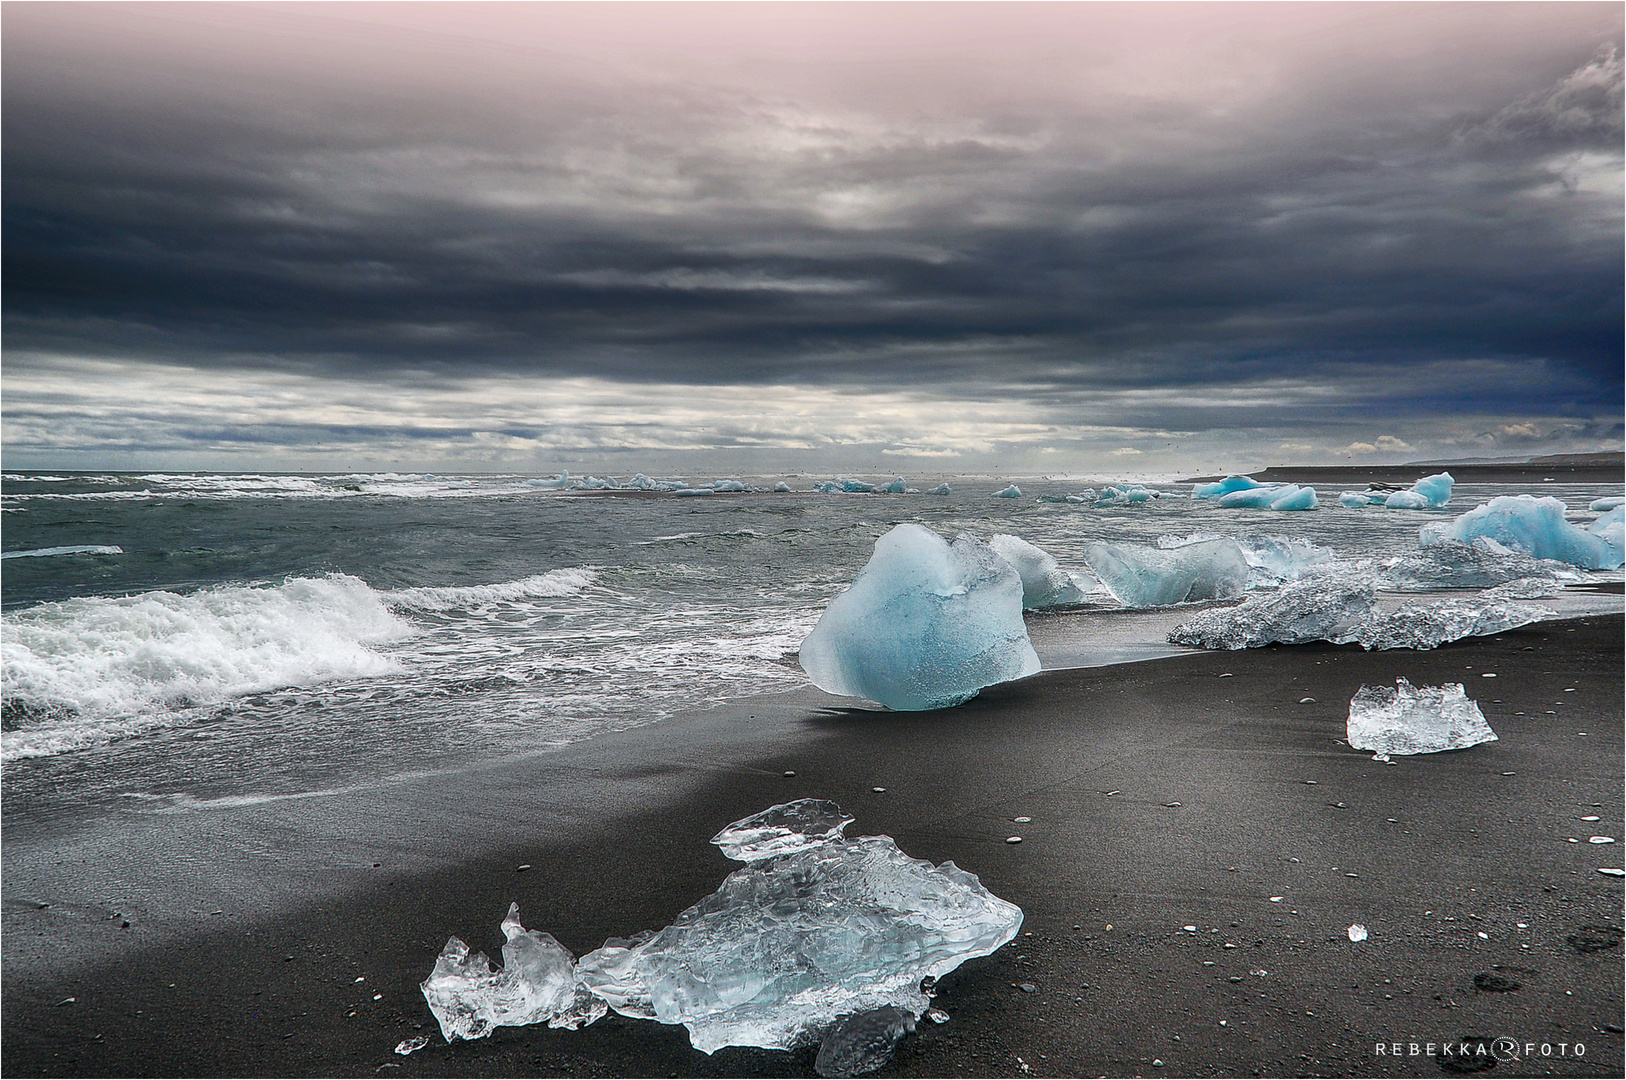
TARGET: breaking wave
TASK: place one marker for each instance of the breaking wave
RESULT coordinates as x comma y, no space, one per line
75,549
554,583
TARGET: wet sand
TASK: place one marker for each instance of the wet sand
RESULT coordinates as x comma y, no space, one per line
1163,795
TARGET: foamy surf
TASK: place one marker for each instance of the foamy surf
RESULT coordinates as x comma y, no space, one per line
72,549
86,671
554,583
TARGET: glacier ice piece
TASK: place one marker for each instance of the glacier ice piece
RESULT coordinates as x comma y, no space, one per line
1607,503
537,982
863,1042
1430,625
783,829
1354,499
781,487
1085,496
1435,489
1223,487
789,944
925,625
1258,497
560,481
727,485
1611,528
1406,500
1011,492
895,487
1405,719
407,1047
1123,494
1294,497
1314,609
849,484
1142,577
1535,526
1044,582
941,489
688,491
1452,564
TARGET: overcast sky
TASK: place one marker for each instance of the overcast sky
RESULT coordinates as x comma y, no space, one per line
1094,238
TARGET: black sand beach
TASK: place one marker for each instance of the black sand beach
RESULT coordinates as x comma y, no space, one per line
252,940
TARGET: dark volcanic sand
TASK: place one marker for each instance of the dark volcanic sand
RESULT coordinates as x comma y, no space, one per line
249,926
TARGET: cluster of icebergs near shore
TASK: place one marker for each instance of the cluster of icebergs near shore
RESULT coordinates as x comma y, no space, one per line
929,623
818,937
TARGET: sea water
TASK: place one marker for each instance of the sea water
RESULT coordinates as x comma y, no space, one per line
175,641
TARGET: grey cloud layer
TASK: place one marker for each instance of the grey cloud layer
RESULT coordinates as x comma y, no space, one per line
678,232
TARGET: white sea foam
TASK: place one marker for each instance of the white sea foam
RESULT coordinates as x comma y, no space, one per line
75,549
554,583
85,671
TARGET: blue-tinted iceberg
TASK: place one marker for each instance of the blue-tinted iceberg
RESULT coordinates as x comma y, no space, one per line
1406,500
1314,609
1044,582
1256,497
1354,499
1142,577
727,485
849,484
1407,719
941,489
1124,494
1223,487
1607,503
560,481
1436,489
895,487
536,983
798,939
925,625
1293,497
1611,528
1011,492
687,491
1535,526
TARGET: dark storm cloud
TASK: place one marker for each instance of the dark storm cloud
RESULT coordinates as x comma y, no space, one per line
675,233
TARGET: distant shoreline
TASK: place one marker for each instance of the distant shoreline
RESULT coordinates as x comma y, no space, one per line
1591,468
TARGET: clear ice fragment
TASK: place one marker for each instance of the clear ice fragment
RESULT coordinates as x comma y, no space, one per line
789,944
1430,625
863,1042
1452,564
1415,720
783,829
781,488
1357,932
537,982
1316,608
925,625
1295,498
1142,577
410,1046
1044,582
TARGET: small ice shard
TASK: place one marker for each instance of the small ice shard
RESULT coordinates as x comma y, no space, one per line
1314,609
1535,526
1607,503
1142,577
783,829
789,944
894,487
409,1046
1430,625
1294,497
1357,932
1415,720
537,982
781,487
727,485
863,1042
1452,564
1354,499
925,625
1223,487
941,489
1044,582
1011,492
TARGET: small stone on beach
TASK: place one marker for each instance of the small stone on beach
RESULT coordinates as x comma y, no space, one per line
878,790
790,772
1600,839
1018,840
522,867
1021,820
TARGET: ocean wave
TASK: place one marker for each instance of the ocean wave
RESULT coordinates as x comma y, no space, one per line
86,671
554,583
76,549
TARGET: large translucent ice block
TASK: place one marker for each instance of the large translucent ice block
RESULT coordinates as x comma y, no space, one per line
1142,577
1415,720
1315,609
925,625
794,941
1044,582
1535,526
